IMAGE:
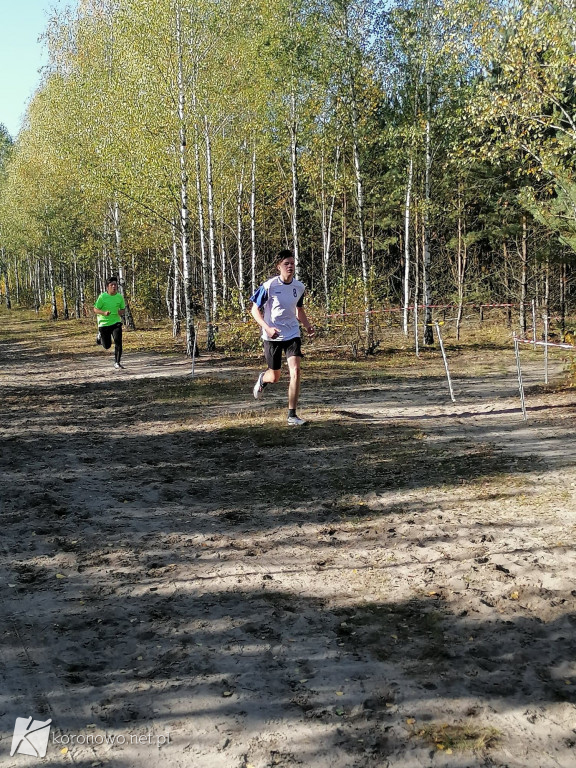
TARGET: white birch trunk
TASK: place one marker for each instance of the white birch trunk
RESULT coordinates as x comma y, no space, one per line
203,254
327,220
239,232
52,284
293,127
223,270
184,222
176,326
407,245
211,237
253,220
361,227
426,295
128,319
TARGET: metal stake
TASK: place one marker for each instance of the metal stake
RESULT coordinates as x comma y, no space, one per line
445,361
545,318
519,370
416,329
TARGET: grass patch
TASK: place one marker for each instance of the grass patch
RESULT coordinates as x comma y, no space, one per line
459,738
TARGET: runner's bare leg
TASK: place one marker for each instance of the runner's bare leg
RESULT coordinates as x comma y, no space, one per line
294,387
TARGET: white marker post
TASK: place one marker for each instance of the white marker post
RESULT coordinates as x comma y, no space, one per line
545,318
416,329
445,361
519,370
534,322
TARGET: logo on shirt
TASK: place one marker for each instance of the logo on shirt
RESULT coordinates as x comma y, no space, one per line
295,292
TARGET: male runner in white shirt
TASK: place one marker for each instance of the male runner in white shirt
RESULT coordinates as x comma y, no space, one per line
277,307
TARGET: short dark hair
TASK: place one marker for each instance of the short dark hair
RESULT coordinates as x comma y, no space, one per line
285,254
111,279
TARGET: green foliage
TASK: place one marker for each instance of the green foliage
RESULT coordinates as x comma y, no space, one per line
128,105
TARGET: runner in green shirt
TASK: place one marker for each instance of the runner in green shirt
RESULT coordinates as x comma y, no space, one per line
110,307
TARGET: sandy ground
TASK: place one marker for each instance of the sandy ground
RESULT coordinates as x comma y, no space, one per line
188,582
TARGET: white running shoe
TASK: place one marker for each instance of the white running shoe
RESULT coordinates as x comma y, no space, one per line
295,421
258,388
117,365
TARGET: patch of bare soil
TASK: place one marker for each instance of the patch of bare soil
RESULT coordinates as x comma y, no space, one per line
189,582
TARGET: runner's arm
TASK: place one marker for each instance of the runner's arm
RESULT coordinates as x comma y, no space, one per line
256,313
302,318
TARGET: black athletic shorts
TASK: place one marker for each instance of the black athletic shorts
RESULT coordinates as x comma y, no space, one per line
109,333
273,351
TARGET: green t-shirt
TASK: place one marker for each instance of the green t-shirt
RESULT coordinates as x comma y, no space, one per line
112,304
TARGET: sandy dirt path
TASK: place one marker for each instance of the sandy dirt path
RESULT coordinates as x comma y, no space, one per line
187,582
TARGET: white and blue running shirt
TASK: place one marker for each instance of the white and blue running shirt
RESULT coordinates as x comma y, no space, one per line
279,301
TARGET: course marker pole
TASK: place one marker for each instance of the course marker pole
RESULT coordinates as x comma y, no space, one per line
445,361
416,330
519,370
545,318
534,322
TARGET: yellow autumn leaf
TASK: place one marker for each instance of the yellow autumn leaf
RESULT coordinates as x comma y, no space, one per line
410,720
60,576
64,751
514,596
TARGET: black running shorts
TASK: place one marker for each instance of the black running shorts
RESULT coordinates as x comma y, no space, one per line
273,351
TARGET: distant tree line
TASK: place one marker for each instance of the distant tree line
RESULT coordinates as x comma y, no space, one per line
409,152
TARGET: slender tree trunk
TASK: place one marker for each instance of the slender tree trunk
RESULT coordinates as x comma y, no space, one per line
360,214
65,310
507,283
327,220
462,259
210,345
239,234
223,270
253,219
407,245
168,293
524,277
37,287
128,319
563,298
6,281
211,236
344,247
184,221
426,293
176,324
77,302
293,126
203,252
52,284
17,278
